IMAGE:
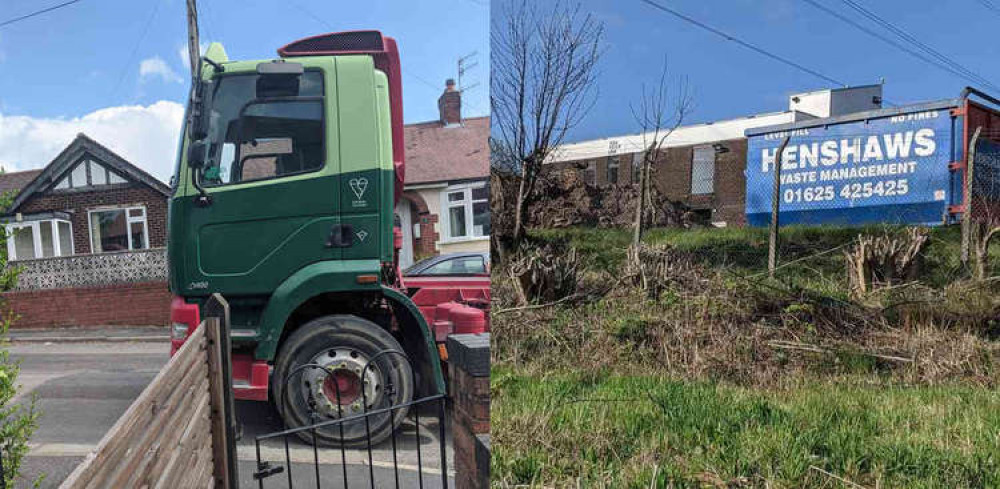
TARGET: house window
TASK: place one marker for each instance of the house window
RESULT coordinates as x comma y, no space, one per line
590,173
467,211
88,173
39,239
119,229
612,169
636,166
703,170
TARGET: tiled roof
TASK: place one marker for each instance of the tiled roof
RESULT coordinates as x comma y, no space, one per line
439,153
15,181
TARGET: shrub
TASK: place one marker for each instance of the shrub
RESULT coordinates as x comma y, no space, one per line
17,422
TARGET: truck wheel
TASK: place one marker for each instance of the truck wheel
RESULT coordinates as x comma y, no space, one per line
343,345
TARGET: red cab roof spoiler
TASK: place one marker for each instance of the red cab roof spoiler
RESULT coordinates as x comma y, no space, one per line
386,55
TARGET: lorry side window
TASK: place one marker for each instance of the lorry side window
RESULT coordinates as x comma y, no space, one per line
255,139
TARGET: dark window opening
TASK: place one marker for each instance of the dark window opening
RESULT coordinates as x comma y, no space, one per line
267,138
612,170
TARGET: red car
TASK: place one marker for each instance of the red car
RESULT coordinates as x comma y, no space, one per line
452,292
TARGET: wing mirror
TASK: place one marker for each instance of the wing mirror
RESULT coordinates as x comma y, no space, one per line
196,155
198,122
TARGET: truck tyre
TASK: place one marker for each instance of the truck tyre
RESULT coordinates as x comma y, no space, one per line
343,344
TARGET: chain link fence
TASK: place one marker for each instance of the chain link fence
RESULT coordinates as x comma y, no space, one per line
984,195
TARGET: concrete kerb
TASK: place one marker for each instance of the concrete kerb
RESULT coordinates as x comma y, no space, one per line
90,335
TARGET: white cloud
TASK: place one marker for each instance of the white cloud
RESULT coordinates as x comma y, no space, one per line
146,136
156,67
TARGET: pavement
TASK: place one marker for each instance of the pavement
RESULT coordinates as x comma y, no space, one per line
155,334
84,380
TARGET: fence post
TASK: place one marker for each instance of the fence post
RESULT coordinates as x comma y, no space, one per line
772,234
967,213
469,369
220,375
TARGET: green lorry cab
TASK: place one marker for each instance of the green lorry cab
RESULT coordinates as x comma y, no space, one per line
283,195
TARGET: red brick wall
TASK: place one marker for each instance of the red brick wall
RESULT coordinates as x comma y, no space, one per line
426,244
138,304
469,367
78,203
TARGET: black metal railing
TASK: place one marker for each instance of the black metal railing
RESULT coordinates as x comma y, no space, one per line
267,469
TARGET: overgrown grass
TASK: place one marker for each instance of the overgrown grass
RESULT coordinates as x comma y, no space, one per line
815,250
593,429
727,379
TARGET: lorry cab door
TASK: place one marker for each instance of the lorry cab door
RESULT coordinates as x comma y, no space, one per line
273,179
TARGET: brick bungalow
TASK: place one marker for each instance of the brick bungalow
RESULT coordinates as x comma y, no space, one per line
87,228
447,174
87,200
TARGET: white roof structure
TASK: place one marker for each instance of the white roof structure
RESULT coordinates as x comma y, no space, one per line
706,133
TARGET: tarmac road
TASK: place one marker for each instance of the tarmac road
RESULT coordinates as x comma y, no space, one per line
83,387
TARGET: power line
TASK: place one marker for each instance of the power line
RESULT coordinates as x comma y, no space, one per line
912,40
991,6
743,43
886,39
423,80
916,42
39,12
135,47
332,28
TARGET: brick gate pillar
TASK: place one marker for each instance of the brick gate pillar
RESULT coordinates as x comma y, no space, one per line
469,372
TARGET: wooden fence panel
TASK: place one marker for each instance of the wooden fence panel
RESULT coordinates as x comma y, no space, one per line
169,436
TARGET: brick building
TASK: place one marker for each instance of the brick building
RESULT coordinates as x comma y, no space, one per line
87,228
87,200
702,165
445,207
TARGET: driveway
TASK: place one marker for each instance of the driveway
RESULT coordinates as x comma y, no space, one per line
83,387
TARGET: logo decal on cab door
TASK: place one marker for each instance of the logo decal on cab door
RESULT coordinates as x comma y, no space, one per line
359,185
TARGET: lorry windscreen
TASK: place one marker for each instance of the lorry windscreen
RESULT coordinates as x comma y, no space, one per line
253,138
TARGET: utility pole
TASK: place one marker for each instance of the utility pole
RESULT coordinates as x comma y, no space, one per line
194,57
772,235
194,50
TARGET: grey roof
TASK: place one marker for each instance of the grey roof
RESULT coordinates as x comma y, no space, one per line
74,152
15,181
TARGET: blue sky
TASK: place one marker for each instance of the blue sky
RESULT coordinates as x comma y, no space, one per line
730,81
94,66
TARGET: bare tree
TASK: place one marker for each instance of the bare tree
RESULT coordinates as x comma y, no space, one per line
542,75
659,113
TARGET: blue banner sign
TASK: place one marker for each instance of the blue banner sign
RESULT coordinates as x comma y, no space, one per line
892,169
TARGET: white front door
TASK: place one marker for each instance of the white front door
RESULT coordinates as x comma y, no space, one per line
406,223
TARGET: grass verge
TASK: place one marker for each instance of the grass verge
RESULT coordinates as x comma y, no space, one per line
725,378
607,430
